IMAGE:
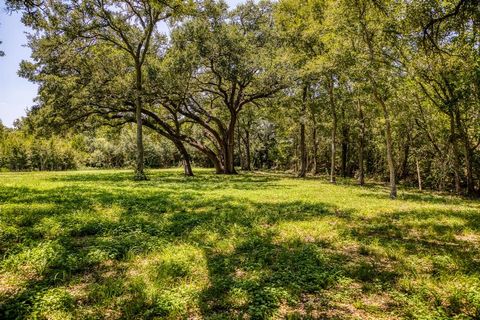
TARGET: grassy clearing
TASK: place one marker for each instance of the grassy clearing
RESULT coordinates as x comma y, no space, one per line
94,245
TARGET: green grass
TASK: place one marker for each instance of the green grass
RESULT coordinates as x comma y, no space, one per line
98,245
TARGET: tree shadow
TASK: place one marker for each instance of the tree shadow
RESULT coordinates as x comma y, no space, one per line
124,248
203,180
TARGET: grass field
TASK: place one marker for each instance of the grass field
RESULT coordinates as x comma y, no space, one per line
97,245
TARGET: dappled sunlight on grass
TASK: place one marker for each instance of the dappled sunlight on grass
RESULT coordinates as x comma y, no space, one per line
97,244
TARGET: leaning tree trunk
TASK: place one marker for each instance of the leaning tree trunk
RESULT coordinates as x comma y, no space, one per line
140,167
419,176
212,156
187,166
217,164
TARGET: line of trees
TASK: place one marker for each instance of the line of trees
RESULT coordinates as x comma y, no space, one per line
23,150
387,89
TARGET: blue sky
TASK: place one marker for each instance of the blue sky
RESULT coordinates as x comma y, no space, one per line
17,94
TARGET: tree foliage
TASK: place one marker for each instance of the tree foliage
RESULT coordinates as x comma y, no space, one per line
356,88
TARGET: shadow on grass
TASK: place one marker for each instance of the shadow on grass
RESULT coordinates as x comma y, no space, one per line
86,249
203,180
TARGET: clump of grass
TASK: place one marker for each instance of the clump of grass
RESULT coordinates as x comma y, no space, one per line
53,304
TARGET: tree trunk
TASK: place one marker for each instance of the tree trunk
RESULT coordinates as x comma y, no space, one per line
315,168
140,168
456,153
468,153
419,176
187,166
388,138
229,148
303,152
469,167
368,36
248,166
217,165
345,145
406,153
344,155
303,145
333,178
212,156
241,159
361,172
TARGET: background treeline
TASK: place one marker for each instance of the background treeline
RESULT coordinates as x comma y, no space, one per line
21,150
358,88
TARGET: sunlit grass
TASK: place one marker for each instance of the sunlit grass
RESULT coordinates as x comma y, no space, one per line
97,244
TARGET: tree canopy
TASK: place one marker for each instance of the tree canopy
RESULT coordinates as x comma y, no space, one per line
386,90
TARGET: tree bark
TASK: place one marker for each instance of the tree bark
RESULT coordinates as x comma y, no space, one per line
229,149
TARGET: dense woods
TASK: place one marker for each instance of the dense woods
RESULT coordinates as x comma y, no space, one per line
386,90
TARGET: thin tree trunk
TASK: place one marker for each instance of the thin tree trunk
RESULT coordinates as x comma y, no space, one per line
303,152
248,165
388,138
345,144
303,145
229,148
344,155
315,147
406,153
456,153
368,36
361,174
239,149
469,167
419,176
468,153
333,178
